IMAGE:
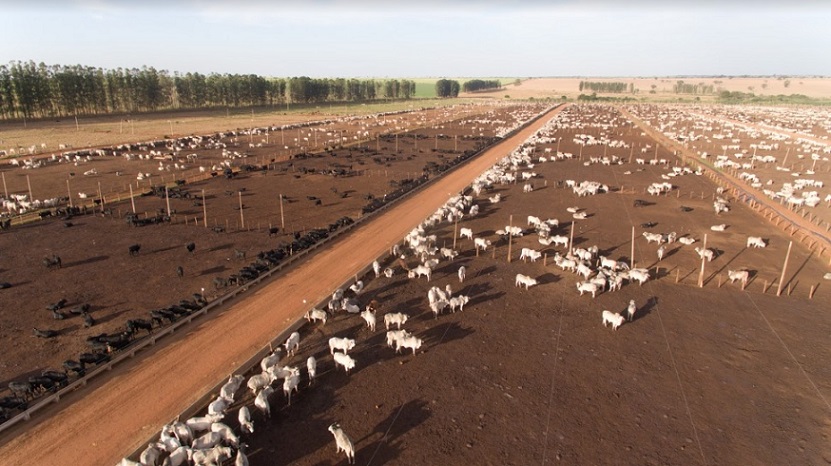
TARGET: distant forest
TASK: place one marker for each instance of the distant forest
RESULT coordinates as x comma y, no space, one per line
603,86
29,90
480,84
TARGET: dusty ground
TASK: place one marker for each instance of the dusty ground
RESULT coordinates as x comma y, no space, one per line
702,376
99,271
95,436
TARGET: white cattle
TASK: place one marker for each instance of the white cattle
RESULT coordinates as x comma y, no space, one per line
343,359
369,318
708,254
741,275
397,318
466,233
481,243
461,274
525,280
630,310
615,319
314,315
410,342
528,253
588,287
756,242
639,275
343,442
292,343
342,344
719,227
420,270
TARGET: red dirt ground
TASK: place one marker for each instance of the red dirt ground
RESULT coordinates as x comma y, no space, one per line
702,376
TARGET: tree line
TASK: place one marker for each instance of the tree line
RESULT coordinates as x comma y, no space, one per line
606,86
29,90
479,84
680,87
447,88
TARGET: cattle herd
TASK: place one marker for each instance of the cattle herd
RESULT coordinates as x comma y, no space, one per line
588,223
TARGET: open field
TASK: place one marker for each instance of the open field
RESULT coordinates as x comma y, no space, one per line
712,375
554,88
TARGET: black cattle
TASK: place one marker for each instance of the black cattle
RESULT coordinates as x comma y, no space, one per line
134,325
88,321
134,249
190,247
273,231
58,315
59,378
13,402
648,224
5,224
686,209
94,358
71,365
22,389
52,262
44,333
42,384
57,305
80,310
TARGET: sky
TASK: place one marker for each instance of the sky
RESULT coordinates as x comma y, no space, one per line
425,38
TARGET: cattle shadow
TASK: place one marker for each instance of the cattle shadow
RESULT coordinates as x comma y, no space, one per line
721,269
487,270
799,269
213,270
401,420
89,260
169,248
646,309
111,316
547,278
221,247
483,298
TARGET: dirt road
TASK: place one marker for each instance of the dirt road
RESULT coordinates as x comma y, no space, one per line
114,416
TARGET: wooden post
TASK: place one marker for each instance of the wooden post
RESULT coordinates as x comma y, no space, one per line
205,211
455,232
784,268
632,255
5,189
282,219
29,184
456,143
69,192
132,199
571,238
677,275
510,236
631,153
544,259
703,261
167,199
241,214
811,293
101,197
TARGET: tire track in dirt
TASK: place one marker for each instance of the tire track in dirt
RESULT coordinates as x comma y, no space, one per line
115,416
